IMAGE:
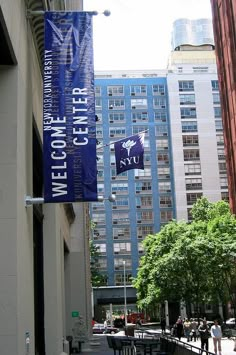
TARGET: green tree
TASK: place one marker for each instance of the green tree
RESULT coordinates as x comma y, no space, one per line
97,279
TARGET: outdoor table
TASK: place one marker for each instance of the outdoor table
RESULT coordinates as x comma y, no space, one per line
148,345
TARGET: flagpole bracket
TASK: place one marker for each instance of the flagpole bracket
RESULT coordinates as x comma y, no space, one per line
111,198
29,201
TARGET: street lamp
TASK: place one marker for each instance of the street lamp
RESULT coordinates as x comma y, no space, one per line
125,298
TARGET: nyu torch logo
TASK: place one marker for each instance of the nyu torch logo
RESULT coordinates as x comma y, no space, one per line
129,153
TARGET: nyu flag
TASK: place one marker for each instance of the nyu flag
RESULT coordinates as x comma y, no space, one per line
129,153
69,127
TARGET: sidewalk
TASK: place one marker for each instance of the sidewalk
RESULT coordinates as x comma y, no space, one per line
100,346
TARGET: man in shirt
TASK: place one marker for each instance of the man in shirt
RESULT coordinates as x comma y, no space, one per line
204,335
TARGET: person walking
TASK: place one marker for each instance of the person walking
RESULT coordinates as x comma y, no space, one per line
204,335
187,329
216,334
193,329
179,328
163,325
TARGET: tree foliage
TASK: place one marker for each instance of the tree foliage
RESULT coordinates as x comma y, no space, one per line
97,279
193,261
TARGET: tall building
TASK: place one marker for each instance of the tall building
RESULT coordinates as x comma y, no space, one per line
44,259
184,155
224,19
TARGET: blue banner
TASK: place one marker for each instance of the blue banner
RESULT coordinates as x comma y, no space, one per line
129,153
69,127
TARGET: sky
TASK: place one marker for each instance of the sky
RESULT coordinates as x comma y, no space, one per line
137,34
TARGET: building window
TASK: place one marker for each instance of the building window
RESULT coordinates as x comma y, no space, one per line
121,202
119,279
221,153
164,186
224,182
217,112
163,173
192,169
116,104
138,90
220,139
102,248
193,184
99,234
123,175
138,103
190,141
117,131
190,217
122,248
98,103
222,168
186,85
188,112
143,231
143,173
119,263
193,197
225,196
191,154
160,116
117,117
144,201
162,144
163,158
121,233
187,99
161,130
218,125
140,116
215,85
99,132
119,188
165,201
140,248
100,159
121,217
138,129
189,126
102,264
145,216
216,98
158,89
159,102
98,91
115,90
144,186
99,218
166,216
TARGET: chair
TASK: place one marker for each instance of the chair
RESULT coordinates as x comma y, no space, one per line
115,344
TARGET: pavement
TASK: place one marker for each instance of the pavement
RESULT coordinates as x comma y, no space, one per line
98,345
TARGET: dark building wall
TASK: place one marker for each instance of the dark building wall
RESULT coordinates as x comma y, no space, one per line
224,24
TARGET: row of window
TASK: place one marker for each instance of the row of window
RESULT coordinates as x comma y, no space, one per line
139,90
123,232
188,85
119,104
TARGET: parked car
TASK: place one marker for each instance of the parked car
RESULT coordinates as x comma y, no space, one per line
99,328
230,323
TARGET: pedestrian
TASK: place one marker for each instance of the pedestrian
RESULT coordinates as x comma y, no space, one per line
105,326
163,325
193,329
204,335
216,334
138,323
187,329
179,328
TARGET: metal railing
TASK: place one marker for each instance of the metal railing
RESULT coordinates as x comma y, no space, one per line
176,347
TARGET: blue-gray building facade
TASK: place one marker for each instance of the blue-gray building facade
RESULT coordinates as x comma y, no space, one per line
144,198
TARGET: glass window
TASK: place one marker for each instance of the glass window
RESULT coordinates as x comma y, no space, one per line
102,264
187,99
117,117
165,201
98,90
143,231
138,103
158,89
122,248
166,216
161,130
121,217
217,112
121,232
115,90
116,104
224,182
119,279
162,143
192,169
215,85
121,202
186,85
164,186
222,168
102,248
119,263
117,131
220,139
100,159
143,173
191,154
144,201
119,187
99,132
221,153
163,158
193,197
216,98
140,116
99,234
159,102
163,172
218,125
99,218
193,184
189,126
138,90
160,115
143,186
138,129
145,216
188,112
190,140
225,196
121,175
98,103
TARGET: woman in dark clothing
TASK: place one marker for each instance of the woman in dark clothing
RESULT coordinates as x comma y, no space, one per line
179,328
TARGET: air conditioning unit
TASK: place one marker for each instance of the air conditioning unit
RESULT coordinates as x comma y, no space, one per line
132,93
138,206
139,221
111,135
116,252
140,237
137,192
133,107
110,94
136,177
114,207
115,222
115,238
113,163
111,121
134,120
162,93
140,251
113,177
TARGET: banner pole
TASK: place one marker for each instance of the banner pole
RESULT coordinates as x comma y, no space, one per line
108,144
